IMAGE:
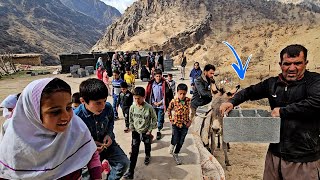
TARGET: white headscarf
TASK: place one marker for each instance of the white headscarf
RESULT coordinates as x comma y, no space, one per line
8,102
30,151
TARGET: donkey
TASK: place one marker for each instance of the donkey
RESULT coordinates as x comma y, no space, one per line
213,122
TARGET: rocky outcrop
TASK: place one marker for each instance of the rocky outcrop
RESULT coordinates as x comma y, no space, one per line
46,27
102,13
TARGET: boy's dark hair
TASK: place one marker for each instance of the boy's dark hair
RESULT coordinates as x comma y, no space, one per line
55,85
208,67
139,91
158,71
182,86
76,98
294,51
124,85
93,89
169,75
128,68
116,71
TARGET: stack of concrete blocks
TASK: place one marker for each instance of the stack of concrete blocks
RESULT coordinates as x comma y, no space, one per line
74,71
82,72
251,125
89,70
248,125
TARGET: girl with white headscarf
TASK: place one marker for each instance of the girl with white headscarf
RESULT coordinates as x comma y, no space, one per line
44,139
8,105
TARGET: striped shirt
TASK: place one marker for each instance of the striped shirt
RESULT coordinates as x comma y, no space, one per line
116,86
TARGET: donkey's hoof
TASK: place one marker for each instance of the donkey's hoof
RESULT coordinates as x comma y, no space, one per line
227,163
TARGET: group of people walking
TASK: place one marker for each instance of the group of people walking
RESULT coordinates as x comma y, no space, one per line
45,137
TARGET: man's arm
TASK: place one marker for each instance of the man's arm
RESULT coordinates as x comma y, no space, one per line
253,92
202,90
307,107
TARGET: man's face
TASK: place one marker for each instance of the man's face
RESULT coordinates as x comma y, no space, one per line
209,73
170,78
95,106
157,77
293,68
128,72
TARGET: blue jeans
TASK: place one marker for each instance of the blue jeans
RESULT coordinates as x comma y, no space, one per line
160,116
114,105
178,136
118,161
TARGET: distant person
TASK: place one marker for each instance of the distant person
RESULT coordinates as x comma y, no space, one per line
202,89
125,100
105,79
159,95
160,62
194,74
144,74
8,104
180,122
44,139
294,96
75,100
99,63
142,120
98,115
129,78
172,84
183,66
116,89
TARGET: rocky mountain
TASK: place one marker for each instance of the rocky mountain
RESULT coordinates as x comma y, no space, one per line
313,5
198,27
96,9
47,27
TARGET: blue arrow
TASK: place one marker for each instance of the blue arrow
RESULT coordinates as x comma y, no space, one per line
240,70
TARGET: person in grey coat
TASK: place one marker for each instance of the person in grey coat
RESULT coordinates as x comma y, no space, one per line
202,91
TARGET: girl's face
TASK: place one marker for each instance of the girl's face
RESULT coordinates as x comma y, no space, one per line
56,111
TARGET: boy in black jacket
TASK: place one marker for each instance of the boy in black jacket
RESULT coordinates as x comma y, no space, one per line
125,100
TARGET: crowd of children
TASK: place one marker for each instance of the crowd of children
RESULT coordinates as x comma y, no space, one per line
82,125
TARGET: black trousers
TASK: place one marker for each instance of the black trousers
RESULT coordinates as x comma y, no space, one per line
178,136
135,146
125,111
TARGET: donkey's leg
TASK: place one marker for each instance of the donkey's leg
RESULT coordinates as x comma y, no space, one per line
219,143
213,142
228,145
226,159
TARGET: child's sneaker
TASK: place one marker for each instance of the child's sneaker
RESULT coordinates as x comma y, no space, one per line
105,166
177,159
128,175
171,147
147,160
158,135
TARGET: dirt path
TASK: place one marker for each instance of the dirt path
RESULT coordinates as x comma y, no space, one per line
247,159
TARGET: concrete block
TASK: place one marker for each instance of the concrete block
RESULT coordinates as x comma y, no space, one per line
251,125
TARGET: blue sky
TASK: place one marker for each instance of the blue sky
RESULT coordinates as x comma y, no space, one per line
121,5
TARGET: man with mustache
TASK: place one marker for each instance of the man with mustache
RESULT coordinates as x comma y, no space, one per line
294,96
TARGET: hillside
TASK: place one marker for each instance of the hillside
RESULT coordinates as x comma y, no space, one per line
102,13
46,27
198,27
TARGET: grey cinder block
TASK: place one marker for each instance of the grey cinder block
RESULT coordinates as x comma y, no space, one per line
251,125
